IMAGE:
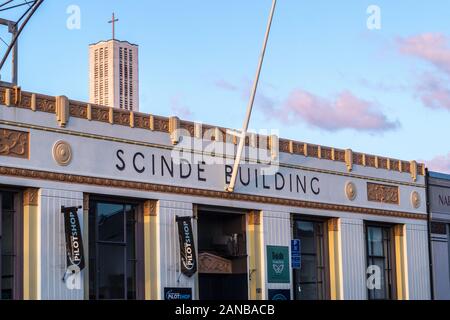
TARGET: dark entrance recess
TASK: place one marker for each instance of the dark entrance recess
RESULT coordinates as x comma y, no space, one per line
222,252
10,245
115,249
311,280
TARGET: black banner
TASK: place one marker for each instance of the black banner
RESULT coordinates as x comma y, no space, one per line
187,248
74,241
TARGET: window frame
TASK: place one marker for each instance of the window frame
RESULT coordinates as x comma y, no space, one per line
326,291
17,238
391,289
139,245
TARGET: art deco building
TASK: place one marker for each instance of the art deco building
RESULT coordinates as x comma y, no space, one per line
328,224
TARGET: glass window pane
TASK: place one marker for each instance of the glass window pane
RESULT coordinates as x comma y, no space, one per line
378,288
131,280
130,211
305,232
7,280
307,273
111,276
7,201
375,241
131,250
131,224
7,232
110,219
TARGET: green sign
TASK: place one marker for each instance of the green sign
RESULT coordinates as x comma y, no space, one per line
278,264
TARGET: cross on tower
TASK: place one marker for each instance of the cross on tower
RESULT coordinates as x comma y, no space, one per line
113,22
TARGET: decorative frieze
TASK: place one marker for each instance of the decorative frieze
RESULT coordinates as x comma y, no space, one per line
152,187
14,143
78,110
382,193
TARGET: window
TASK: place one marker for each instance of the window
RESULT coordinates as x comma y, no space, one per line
10,246
380,262
311,280
115,250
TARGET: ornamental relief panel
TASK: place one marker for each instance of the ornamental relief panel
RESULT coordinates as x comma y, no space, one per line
14,143
382,193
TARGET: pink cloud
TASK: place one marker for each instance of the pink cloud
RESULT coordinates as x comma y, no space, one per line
434,49
345,112
439,163
433,92
431,47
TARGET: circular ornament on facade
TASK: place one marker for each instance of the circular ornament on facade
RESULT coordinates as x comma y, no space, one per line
415,199
350,191
62,153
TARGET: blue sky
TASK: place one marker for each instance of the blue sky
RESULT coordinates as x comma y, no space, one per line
198,58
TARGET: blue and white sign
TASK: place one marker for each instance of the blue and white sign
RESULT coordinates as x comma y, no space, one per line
295,254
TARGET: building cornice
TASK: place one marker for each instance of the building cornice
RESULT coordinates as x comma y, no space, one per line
151,187
15,97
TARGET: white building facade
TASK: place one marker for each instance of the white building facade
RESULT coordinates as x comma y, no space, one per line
327,224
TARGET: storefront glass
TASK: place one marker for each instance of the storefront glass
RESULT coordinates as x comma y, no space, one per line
379,262
112,250
9,254
310,279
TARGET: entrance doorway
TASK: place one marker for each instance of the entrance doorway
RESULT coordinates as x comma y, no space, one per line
222,252
115,249
10,245
310,281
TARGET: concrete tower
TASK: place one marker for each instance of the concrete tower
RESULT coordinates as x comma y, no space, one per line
114,74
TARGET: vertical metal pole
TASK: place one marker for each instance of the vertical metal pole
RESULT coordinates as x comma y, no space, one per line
250,103
14,60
